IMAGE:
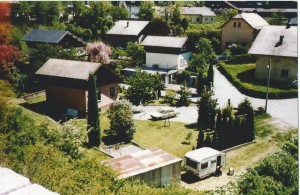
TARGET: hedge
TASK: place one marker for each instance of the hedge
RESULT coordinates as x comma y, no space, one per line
256,94
239,59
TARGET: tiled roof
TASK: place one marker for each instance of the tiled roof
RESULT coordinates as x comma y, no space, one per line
141,162
204,11
133,27
164,41
47,36
68,69
267,42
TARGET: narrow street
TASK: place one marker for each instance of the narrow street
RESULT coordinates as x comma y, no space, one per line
284,111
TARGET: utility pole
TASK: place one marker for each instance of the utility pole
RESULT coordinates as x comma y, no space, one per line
267,96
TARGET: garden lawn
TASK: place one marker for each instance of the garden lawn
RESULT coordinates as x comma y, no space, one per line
153,134
243,75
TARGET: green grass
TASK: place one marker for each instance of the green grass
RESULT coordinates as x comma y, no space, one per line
152,134
243,75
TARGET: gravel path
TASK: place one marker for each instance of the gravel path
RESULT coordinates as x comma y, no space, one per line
284,111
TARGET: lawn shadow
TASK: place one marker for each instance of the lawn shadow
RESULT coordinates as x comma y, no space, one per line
191,126
109,140
247,76
57,114
185,143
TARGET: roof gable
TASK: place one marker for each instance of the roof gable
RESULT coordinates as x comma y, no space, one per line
267,42
127,27
164,41
47,36
68,69
204,11
253,19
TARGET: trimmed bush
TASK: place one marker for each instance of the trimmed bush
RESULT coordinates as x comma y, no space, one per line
242,59
256,94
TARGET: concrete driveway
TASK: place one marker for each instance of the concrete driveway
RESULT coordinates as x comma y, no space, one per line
284,111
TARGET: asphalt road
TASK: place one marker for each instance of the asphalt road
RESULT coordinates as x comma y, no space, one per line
284,111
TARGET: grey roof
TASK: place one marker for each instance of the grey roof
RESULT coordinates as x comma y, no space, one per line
164,41
204,11
48,36
266,42
14,183
253,19
68,69
133,28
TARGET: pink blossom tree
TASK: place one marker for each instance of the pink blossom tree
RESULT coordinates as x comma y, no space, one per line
99,52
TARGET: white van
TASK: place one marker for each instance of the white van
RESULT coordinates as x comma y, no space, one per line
204,161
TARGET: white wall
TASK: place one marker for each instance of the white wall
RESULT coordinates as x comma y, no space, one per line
168,61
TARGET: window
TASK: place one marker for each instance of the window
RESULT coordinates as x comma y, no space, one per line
112,91
284,73
211,19
191,163
239,24
234,24
206,18
198,19
204,165
213,161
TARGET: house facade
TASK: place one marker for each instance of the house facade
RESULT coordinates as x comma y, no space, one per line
125,31
61,38
167,53
241,29
66,84
279,45
198,15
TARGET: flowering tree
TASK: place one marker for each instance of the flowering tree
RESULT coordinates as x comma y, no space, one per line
98,52
8,55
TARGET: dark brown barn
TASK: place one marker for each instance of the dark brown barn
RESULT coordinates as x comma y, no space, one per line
66,84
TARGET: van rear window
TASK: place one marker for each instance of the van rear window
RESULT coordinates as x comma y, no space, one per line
191,163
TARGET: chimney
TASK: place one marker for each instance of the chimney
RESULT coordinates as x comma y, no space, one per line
280,41
127,23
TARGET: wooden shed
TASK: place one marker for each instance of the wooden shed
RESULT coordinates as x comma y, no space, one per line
154,167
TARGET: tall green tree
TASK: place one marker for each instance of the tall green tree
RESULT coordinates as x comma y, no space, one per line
200,140
93,121
185,23
210,75
176,15
207,111
147,11
136,53
142,87
183,93
200,83
219,130
121,121
249,126
119,13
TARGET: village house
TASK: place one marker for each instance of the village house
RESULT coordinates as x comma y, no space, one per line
241,29
125,31
61,38
66,84
166,54
198,15
154,167
278,44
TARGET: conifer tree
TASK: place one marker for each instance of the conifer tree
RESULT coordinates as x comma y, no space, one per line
207,141
215,141
210,75
93,123
200,84
220,131
200,140
250,125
